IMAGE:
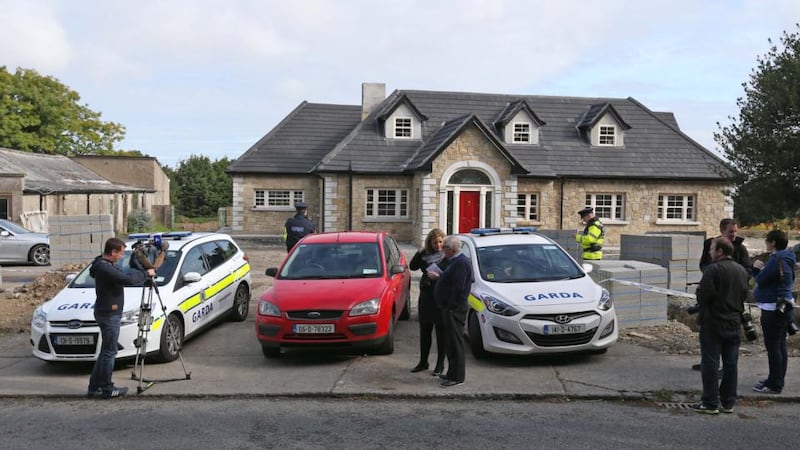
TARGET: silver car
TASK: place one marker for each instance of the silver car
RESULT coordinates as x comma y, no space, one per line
21,246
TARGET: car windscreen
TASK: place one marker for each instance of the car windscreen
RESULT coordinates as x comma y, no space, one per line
521,263
163,275
13,227
333,261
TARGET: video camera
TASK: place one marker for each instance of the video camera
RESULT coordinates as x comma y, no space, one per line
148,252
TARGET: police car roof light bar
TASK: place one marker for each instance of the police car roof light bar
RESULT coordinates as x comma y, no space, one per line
488,231
176,235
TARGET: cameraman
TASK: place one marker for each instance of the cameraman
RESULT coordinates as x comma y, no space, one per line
110,284
721,296
773,294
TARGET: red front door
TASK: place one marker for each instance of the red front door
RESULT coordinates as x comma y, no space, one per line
469,206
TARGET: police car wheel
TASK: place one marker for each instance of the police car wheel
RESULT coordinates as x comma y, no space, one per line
241,303
171,339
475,337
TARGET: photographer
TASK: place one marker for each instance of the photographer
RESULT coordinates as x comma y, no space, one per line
721,296
773,294
110,284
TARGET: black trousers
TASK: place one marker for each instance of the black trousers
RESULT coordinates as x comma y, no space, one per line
715,344
454,319
430,320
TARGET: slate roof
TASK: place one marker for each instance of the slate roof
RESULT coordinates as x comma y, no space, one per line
300,140
322,138
57,174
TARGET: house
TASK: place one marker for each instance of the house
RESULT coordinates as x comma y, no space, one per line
417,160
58,185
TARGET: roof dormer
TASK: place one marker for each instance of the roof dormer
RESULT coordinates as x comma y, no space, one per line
402,120
518,124
602,126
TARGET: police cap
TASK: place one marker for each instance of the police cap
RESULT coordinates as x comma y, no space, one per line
585,211
300,205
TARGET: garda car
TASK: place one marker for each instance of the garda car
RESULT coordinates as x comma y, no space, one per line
529,296
342,290
205,277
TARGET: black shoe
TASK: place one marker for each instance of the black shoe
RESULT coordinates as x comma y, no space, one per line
792,330
94,393
696,366
437,371
704,409
443,376
448,383
115,392
419,367
726,409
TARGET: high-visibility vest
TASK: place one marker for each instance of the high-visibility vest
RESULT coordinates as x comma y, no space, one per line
591,240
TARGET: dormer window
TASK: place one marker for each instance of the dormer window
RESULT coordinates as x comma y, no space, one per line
402,127
607,135
522,133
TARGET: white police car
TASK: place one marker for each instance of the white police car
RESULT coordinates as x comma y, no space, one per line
205,277
529,296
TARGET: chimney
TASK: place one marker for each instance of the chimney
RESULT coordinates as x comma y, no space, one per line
372,94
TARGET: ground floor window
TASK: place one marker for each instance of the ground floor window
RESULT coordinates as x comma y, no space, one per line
607,206
676,207
528,206
277,198
387,203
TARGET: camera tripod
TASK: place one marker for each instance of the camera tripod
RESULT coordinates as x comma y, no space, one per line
145,322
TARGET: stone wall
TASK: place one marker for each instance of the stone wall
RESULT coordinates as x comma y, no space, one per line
248,219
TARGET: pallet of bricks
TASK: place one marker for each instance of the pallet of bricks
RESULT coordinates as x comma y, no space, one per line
678,253
635,306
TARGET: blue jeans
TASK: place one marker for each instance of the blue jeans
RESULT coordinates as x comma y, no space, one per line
104,366
716,343
773,325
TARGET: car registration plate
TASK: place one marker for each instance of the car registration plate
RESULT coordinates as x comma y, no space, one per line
322,328
565,329
74,340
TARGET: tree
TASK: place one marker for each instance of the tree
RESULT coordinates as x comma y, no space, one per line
202,186
40,114
763,142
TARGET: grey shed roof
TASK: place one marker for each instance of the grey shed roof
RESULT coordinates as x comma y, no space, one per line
57,174
654,147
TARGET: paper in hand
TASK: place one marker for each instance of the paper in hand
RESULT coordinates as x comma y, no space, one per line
434,268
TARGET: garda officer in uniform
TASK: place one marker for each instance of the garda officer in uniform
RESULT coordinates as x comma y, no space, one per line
298,226
591,239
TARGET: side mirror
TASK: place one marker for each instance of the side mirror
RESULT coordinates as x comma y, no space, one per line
587,267
271,272
192,277
397,268
4,233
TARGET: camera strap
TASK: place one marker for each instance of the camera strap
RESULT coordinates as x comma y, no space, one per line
781,276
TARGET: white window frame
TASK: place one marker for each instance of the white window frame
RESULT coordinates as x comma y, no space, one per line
607,135
386,203
677,207
528,206
521,132
277,199
607,205
403,128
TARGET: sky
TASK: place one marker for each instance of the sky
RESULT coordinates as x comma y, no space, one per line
207,77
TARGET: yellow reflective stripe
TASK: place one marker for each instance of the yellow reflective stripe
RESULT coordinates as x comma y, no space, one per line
189,303
476,303
157,323
242,271
219,285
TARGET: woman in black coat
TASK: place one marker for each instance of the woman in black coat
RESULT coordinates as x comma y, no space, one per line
429,317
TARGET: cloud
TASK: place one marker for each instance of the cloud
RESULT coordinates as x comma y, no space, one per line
31,36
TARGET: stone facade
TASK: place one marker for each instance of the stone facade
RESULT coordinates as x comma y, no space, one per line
249,219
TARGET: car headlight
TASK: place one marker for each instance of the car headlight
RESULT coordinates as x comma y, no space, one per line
266,308
39,318
367,307
129,317
498,307
605,302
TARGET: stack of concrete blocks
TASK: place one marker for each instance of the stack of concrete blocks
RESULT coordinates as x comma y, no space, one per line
78,239
635,306
566,239
678,253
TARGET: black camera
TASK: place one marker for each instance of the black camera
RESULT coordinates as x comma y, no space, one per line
694,309
749,328
783,305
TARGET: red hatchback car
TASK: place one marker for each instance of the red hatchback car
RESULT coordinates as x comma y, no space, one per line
341,290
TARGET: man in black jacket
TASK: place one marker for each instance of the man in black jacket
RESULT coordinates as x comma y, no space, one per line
110,284
721,296
298,226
